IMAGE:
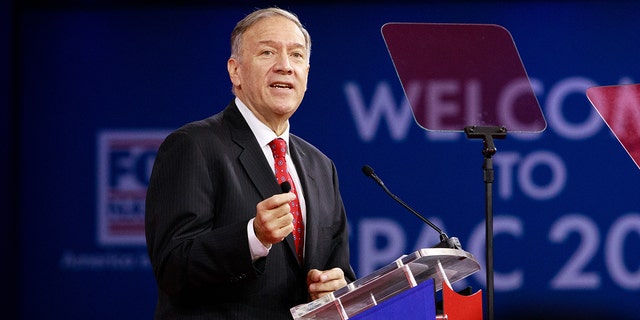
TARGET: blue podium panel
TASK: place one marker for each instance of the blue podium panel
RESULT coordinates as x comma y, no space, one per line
415,303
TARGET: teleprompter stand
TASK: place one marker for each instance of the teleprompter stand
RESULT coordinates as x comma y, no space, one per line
472,80
487,134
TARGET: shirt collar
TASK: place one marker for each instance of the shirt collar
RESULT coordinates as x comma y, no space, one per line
263,134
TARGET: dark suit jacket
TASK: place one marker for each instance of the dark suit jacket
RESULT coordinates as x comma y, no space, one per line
207,179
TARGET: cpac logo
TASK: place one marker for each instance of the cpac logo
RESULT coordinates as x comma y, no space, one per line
125,160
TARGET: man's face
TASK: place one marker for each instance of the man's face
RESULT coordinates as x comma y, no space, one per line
270,75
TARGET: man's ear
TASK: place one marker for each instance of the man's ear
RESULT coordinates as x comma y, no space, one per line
232,68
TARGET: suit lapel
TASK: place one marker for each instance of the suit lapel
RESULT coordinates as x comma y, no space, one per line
252,160
251,157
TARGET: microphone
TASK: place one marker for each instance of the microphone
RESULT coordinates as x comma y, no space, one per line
285,186
445,241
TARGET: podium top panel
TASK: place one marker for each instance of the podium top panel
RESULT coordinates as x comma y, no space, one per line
619,107
458,264
391,280
460,75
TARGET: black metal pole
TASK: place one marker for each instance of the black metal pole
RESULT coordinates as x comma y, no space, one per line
487,134
488,180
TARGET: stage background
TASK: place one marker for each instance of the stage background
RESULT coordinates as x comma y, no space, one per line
98,86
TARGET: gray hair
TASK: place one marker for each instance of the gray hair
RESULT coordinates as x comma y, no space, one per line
252,18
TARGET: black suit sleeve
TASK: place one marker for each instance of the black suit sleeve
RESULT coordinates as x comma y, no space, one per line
184,250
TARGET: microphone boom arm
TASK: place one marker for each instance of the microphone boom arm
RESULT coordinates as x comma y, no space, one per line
443,236
445,241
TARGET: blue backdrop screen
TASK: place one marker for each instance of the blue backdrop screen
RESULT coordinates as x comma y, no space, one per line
101,88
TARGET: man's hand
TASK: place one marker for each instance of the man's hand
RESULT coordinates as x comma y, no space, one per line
274,220
320,283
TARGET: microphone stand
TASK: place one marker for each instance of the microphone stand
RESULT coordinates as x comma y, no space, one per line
445,241
487,134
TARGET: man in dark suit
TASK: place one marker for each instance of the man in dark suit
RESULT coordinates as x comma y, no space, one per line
218,225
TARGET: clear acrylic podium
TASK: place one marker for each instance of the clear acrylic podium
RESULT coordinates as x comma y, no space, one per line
395,278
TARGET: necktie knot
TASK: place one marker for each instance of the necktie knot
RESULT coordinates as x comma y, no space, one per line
278,147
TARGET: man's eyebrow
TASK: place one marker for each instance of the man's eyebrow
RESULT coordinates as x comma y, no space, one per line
274,43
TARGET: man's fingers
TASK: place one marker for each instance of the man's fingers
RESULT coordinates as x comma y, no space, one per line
276,201
273,221
321,283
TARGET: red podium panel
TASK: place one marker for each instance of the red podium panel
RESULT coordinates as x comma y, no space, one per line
459,307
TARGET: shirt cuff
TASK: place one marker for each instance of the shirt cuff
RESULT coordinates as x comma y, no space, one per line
258,250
